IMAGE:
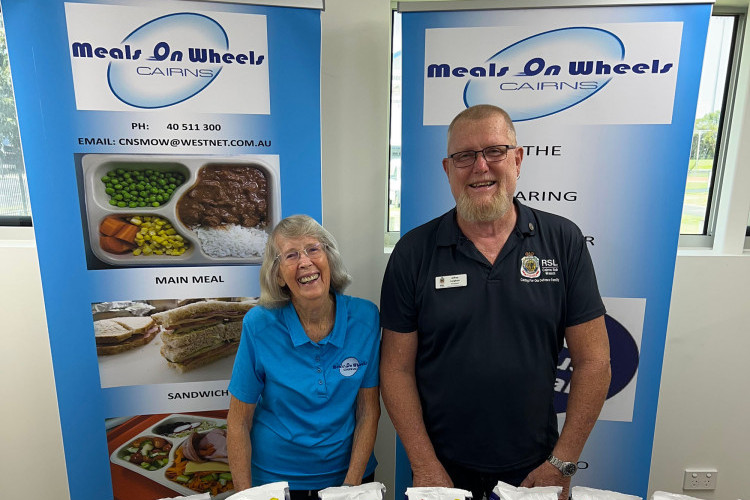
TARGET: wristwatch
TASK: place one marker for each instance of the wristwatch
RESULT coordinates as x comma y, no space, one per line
567,468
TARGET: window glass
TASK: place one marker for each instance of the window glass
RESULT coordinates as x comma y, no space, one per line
14,196
394,170
712,98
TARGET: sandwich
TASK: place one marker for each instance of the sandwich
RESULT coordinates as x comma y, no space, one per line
116,335
202,332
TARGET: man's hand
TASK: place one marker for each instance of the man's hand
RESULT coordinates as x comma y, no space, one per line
548,475
433,475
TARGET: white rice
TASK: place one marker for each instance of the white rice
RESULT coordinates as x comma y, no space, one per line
232,241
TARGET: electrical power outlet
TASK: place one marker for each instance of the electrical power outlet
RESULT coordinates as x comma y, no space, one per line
700,479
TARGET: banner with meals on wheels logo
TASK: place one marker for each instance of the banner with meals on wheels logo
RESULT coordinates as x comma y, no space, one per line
163,140
603,100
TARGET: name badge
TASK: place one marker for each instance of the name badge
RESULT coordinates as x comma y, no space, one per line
452,281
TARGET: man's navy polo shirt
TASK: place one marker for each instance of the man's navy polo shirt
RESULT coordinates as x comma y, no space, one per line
487,351
305,391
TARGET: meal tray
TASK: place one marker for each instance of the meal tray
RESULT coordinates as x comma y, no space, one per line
159,475
95,166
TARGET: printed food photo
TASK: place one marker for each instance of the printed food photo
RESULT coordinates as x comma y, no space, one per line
147,210
162,341
152,456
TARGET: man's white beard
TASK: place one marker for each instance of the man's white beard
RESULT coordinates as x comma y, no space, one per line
472,211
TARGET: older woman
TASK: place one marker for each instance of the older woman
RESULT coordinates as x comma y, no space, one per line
305,401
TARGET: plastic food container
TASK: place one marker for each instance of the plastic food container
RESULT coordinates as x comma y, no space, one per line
201,425
98,207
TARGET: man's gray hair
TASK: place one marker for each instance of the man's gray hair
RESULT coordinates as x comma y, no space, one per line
298,226
481,112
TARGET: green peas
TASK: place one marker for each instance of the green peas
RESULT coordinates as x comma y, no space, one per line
140,188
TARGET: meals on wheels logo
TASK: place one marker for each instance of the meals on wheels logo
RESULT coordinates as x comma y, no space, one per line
349,366
538,74
127,58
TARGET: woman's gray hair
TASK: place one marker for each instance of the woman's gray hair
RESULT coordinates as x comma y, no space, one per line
298,226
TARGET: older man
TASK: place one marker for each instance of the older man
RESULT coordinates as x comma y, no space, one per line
475,307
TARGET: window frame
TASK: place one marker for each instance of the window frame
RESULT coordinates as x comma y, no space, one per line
706,240
390,237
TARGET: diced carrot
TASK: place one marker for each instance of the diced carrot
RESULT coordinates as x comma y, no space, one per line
111,225
113,245
127,233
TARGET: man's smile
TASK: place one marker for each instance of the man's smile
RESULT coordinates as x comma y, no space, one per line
482,184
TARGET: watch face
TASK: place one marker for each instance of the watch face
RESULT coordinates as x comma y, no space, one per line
569,468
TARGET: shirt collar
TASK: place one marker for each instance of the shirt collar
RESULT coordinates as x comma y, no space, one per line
449,234
298,335
526,222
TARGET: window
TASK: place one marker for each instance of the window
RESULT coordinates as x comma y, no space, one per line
14,196
394,171
705,151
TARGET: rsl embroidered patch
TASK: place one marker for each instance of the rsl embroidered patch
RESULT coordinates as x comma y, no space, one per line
530,265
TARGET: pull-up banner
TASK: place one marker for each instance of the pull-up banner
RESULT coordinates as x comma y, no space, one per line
162,141
603,100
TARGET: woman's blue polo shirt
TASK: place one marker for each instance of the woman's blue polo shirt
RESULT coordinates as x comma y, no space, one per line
305,392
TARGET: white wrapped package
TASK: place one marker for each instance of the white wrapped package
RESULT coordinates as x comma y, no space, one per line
663,495
583,493
270,491
437,493
201,496
367,491
505,491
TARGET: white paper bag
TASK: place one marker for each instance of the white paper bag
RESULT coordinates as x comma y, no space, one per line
583,493
367,491
270,491
505,491
437,493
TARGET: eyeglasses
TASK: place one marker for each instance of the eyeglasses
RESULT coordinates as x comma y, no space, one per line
313,252
464,159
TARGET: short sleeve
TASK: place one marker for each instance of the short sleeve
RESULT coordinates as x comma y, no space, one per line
583,300
372,376
398,308
248,379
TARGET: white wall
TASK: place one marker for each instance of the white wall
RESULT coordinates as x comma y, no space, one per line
29,423
703,404
355,97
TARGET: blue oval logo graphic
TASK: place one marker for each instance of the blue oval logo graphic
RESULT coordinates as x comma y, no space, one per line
624,361
169,76
540,90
